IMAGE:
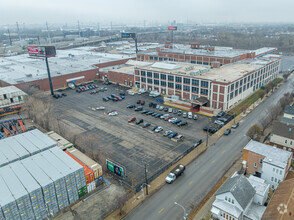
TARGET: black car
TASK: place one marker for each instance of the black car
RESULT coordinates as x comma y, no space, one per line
113,95
165,109
78,90
114,99
180,112
146,124
144,111
139,121
153,128
182,123
197,143
227,132
57,96
131,106
220,114
139,102
158,115
154,105
151,104
149,113
139,108
105,99
154,114
122,93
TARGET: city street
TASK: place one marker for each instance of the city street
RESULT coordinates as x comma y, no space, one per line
202,174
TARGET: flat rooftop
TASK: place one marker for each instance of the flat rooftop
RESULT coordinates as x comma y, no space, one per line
127,68
264,50
273,155
22,68
226,52
226,73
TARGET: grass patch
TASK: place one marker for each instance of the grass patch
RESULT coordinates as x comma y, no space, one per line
247,102
277,80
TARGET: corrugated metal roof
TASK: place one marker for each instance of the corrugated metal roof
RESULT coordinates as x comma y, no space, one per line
44,138
7,152
66,159
6,196
27,144
16,147
24,176
39,175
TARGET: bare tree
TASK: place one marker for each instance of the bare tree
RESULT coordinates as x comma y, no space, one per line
285,76
261,94
244,108
267,88
254,132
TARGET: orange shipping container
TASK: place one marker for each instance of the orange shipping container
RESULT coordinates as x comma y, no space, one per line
89,175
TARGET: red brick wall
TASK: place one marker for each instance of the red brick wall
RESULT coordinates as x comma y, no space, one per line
59,81
252,158
120,78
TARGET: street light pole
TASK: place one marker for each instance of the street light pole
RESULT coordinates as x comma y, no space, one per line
185,213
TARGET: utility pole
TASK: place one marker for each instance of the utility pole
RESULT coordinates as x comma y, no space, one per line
49,38
146,179
9,37
207,137
19,35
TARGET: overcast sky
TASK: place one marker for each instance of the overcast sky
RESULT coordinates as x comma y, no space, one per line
136,11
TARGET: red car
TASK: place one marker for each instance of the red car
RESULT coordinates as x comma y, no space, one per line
168,117
142,102
132,119
119,98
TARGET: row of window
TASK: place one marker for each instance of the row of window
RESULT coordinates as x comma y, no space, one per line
229,200
273,179
277,171
286,141
195,82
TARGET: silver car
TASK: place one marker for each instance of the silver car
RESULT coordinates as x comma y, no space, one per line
159,129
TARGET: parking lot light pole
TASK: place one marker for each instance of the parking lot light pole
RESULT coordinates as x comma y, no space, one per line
185,214
146,179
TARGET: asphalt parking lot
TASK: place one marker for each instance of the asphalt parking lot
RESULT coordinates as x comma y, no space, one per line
127,143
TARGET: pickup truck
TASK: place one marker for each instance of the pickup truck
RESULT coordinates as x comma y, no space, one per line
176,172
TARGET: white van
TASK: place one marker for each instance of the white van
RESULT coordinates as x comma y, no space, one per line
190,115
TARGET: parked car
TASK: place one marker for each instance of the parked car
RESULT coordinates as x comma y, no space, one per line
114,99
155,113
151,104
161,108
220,114
122,97
170,110
197,143
139,121
142,102
163,116
132,119
122,93
146,124
182,123
172,135
177,121
118,98
235,125
139,101
78,91
153,128
165,109
158,129
179,137
149,113
105,99
157,106
113,95
227,132
131,93
184,114
154,105
190,115
139,108
144,111
131,106
168,117
167,133
175,111
172,119
218,122
195,117
113,113
180,112
158,115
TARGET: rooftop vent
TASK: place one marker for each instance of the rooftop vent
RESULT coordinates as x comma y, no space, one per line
29,75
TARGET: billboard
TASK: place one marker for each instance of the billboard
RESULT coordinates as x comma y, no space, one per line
118,170
128,35
172,28
42,51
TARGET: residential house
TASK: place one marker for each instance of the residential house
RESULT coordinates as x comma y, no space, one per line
283,136
269,163
236,199
281,205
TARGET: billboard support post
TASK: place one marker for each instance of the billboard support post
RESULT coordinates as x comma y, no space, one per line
49,76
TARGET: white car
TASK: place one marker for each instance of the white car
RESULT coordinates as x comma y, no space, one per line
172,119
190,115
93,109
163,116
100,108
159,129
113,113
131,93
218,122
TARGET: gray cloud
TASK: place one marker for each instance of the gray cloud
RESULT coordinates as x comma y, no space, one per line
135,11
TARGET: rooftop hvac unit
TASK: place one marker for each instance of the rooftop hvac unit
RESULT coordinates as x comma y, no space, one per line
28,75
